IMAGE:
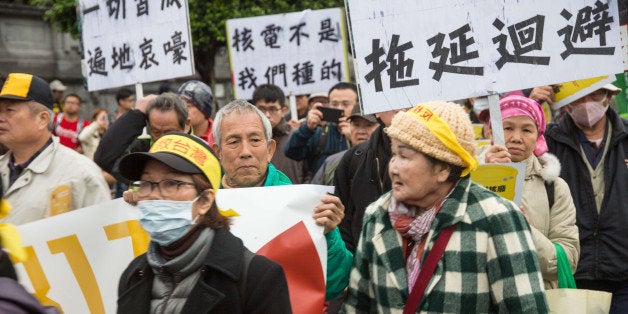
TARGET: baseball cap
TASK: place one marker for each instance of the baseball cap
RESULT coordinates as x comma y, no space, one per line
315,95
180,151
357,113
22,86
612,88
57,85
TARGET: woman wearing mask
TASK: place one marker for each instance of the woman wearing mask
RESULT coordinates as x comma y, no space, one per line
193,263
552,219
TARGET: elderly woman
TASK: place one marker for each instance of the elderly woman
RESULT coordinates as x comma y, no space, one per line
438,242
524,126
193,263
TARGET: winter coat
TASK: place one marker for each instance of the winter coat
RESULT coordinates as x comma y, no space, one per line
489,264
315,145
603,236
550,225
360,179
218,287
56,181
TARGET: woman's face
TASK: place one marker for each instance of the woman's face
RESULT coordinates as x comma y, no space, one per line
156,171
520,134
415,180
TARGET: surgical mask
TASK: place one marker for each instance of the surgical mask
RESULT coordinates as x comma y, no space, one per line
165,221
588,113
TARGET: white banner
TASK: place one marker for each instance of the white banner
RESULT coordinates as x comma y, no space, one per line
301,52
129,42
76,259
413,51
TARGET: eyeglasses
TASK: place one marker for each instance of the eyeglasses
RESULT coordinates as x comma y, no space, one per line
270,110
167,187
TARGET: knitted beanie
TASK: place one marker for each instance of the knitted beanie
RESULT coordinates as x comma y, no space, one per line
407,129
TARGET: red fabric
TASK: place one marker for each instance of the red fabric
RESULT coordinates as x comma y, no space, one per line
427,270
67,132
208,136
295,251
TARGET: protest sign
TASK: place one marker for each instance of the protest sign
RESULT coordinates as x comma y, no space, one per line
573,90
414,51
301,52
126,42
76,258
504,179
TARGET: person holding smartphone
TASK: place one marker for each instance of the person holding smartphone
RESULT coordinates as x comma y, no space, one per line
316,139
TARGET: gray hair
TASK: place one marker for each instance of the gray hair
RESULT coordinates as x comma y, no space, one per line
240,106
170,102
36,108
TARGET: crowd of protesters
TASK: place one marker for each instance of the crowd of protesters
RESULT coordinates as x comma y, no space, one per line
406,229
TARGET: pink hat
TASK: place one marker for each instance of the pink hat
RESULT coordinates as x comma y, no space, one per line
515,105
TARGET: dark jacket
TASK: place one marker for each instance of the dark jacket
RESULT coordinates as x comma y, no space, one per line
218,288
603,236
295,170
315,145
360,179
120,139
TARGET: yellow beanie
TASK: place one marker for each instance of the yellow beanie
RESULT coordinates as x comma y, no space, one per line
409,130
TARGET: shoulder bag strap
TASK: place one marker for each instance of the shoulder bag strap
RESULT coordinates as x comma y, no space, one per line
427,269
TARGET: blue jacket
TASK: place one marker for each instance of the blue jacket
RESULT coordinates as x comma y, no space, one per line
315,145
603,236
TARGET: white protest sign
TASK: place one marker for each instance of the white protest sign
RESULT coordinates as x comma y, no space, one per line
76,258
302,52
413,51
129,42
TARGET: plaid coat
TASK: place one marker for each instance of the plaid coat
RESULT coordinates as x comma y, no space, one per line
489,264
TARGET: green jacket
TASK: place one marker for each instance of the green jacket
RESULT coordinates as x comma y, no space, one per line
339,259
489,264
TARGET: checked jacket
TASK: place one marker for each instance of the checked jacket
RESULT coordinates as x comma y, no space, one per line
489,264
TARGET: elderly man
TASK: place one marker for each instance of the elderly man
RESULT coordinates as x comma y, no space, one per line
591,143
245,147
437,242
40,177
57,89
360,129
161,114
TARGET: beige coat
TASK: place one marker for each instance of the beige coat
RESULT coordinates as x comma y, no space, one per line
557,224
57,181
90,138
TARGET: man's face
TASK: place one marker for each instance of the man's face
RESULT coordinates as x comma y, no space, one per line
71,105
127,103
162,122
343,99
244,151
196,116
273,111
58,94
18,125
301,104
360,129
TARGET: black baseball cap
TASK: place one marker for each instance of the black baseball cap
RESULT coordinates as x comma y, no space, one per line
22,86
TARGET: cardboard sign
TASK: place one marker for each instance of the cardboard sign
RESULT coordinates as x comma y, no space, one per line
301,52
129,42
409,52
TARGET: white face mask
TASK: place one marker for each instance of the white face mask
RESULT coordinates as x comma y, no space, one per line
165,221
588,113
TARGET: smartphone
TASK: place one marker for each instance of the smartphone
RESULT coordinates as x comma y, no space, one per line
331,114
